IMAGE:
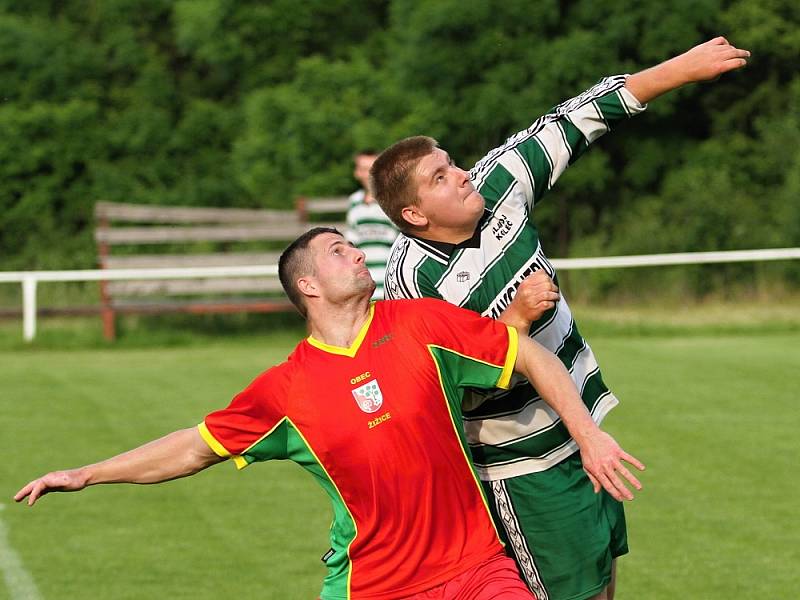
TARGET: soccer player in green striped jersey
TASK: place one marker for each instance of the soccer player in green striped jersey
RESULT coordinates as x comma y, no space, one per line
368,227
469,238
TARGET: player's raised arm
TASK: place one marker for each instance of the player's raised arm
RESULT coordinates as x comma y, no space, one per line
702,63
601,455
178,454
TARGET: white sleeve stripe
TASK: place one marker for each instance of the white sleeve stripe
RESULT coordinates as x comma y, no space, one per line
518,168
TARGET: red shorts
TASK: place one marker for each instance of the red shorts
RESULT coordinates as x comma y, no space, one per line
494,579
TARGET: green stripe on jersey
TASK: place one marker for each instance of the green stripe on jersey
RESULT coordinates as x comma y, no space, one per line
611,107
539,444
497,183
575,140
287,442
541,164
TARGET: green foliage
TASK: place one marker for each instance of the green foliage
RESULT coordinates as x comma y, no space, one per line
243,103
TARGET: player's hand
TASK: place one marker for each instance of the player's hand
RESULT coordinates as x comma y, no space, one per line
57,481
535,296
710,60
603,462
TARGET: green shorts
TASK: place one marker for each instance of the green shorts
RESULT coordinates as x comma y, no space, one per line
562,535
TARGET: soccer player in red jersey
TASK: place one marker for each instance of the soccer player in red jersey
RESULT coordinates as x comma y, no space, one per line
369,404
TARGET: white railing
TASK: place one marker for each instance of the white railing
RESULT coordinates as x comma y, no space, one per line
30,279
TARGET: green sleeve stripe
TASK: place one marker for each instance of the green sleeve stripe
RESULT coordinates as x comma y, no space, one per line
574,139
465,371
611,107
541,165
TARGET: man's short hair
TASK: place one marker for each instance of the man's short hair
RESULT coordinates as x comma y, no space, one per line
295,262
392,176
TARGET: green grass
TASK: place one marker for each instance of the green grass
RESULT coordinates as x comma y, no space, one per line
712,412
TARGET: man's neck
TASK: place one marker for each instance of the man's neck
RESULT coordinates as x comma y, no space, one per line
453,237
339,324
445,235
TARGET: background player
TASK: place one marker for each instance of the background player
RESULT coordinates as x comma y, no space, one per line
368,227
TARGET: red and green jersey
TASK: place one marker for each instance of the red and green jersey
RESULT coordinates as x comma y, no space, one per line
378,425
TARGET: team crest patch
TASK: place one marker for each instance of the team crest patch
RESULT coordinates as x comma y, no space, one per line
368,396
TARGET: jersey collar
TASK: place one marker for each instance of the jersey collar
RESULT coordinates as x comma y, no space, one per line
442,251
353,348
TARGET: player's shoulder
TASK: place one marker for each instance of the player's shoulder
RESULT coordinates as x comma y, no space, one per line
400,268
416,308
410,255
289,368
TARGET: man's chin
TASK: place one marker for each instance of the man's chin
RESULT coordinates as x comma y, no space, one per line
366,283
475,198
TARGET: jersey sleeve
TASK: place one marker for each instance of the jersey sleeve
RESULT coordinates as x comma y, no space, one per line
538,155
470,350
253,426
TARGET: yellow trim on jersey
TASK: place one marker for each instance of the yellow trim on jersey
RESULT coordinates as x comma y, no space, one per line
218,448
511,358
212,442
351,351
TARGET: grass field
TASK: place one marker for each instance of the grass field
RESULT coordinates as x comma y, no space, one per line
711,410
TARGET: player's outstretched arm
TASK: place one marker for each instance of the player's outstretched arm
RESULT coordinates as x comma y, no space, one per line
535,296
702,63
601,455
178,454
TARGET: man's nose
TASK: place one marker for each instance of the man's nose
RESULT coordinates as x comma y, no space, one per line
360,257
462,176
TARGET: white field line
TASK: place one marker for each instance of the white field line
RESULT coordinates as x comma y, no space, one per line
19,583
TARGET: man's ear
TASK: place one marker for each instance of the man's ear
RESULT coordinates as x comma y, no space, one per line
414,216
308,286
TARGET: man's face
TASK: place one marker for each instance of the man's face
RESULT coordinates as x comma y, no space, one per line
446,196
363,163
339,268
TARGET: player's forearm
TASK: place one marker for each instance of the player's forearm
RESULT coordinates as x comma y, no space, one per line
178,454
551,379
651,83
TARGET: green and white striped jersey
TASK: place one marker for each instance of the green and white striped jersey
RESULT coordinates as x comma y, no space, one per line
369,229
514,432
